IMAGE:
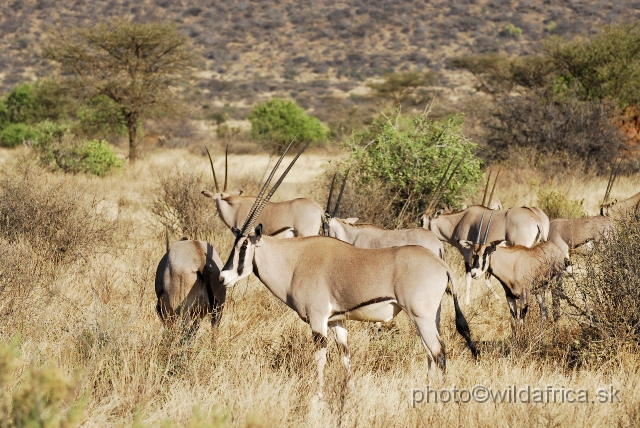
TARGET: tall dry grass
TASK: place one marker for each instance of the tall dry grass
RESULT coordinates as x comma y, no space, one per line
95,321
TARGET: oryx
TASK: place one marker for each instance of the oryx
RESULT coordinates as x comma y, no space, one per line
521,270
366,235
297,217
327,281
570,233
188,284
617,209
463,229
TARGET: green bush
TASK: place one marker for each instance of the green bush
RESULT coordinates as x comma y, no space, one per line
15,133
95,157
395,173
556,204
44,397
276,122
20,103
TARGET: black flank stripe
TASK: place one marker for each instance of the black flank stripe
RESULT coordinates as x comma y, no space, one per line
241,256
367,303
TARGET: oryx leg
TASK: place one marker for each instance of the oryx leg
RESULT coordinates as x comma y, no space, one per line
467,269
524,307
319,331
428,329
543,309
487,282
378,327
341,339
513,309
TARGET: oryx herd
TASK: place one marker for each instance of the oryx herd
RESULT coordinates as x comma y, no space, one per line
367,273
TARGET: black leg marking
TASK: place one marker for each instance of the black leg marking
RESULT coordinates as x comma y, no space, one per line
319,341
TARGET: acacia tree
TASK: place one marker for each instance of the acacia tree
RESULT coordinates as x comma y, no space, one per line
133,64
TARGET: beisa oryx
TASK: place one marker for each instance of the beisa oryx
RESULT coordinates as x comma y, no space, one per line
188,284
366,235
576,233
463,229
521,270
327,281
618,209
297,217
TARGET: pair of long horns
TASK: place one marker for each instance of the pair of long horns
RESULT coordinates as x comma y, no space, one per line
486,202
486,233
260,202
337,206
226,158
615,170
439,190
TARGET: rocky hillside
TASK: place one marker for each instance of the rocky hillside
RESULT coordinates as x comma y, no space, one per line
312,51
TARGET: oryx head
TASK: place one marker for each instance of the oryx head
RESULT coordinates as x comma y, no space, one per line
224,194
429,213
480,250
328,215
240,261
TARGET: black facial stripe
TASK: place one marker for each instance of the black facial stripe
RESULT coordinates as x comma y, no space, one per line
241,256
229,263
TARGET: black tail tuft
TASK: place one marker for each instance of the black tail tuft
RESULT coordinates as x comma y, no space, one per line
463,328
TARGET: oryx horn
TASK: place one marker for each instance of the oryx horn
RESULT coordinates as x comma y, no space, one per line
264,187
493,188
437,188
446,184
215,180
480,228
486,234
226,166
612,178
344,182
486,189
333,182
263,203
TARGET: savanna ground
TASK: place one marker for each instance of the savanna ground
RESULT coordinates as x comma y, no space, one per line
93,317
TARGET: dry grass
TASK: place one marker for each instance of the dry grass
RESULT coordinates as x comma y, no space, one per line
98,323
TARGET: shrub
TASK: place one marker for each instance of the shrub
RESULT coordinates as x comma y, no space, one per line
178,205
394,175
556,204
400,87
604,296
20,103
55,144
44,397
57,218
95,157
14,134
276,122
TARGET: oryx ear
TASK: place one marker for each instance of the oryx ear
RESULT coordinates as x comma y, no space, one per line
466,244
235,231
351,220
207,193
500,243
259,231
240,192
438,213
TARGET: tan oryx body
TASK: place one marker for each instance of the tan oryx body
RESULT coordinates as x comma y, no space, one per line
463,230
327,281
366,235
571,233
622,208
298,217
188,284
522,270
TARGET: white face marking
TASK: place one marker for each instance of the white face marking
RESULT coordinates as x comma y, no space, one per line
240,263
